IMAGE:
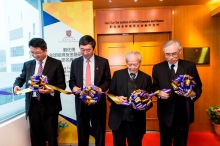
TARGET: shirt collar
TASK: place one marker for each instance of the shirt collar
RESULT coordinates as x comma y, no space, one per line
135,73
176,65
90,59
44,61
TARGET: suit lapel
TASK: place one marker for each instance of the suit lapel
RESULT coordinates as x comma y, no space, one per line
125,81
47,65
32,67
166,71
96,70
139,80
180,69
81,71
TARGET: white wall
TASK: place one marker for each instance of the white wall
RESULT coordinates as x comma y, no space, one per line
15,132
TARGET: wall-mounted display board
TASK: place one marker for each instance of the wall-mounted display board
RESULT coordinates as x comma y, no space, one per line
198,55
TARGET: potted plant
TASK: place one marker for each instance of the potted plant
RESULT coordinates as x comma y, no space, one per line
214,116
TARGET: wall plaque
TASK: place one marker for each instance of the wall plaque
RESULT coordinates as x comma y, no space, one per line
134,21
198,55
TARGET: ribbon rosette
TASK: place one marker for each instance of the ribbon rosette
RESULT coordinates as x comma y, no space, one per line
139,99
37,82
183,84
91,94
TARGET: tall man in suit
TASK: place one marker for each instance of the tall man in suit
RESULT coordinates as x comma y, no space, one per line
175,112
126,122
42,109
90,69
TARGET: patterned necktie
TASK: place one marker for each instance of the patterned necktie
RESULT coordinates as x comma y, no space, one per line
172,71
132,76
40,68
88,74
39,72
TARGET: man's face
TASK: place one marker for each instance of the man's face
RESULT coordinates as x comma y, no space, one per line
172,53
38,53
133,63
86,51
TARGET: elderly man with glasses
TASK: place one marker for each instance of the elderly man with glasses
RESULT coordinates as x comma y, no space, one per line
175,112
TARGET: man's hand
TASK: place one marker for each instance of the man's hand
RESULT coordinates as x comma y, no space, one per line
122,98
16,89
191,94
164,95
76,90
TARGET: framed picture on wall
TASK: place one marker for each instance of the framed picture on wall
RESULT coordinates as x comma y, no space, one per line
198,55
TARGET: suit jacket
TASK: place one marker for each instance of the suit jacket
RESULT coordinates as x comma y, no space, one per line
119,87
162,80
53,69
102,79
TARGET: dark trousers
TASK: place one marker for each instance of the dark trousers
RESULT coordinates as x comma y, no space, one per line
175,134
42,128
89,114
127,130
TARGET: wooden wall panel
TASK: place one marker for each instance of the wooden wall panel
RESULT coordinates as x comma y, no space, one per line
115,51
114,47
150,53
194,27
146,69
150,46
152,120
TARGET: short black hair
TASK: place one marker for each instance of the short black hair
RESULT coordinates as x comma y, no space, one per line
87,39
38,42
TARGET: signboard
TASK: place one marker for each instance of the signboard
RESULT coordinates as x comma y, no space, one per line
134,21
64,24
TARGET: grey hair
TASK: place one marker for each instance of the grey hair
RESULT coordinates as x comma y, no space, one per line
171,42
133,53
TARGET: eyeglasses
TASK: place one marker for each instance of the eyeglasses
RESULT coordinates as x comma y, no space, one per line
134,64
87,50
36,53
175,54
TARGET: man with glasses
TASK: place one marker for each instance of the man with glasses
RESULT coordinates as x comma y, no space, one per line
125,122
90,69
175,112
42,107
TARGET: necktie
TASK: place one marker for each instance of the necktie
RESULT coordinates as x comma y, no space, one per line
132,76
88,74
40,68
39,72
172,71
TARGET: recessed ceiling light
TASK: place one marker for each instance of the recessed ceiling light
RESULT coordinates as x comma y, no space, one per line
135,0
110,1
161,0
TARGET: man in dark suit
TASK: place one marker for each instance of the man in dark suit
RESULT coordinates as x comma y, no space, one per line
42,109
175,112
90,69
126,122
